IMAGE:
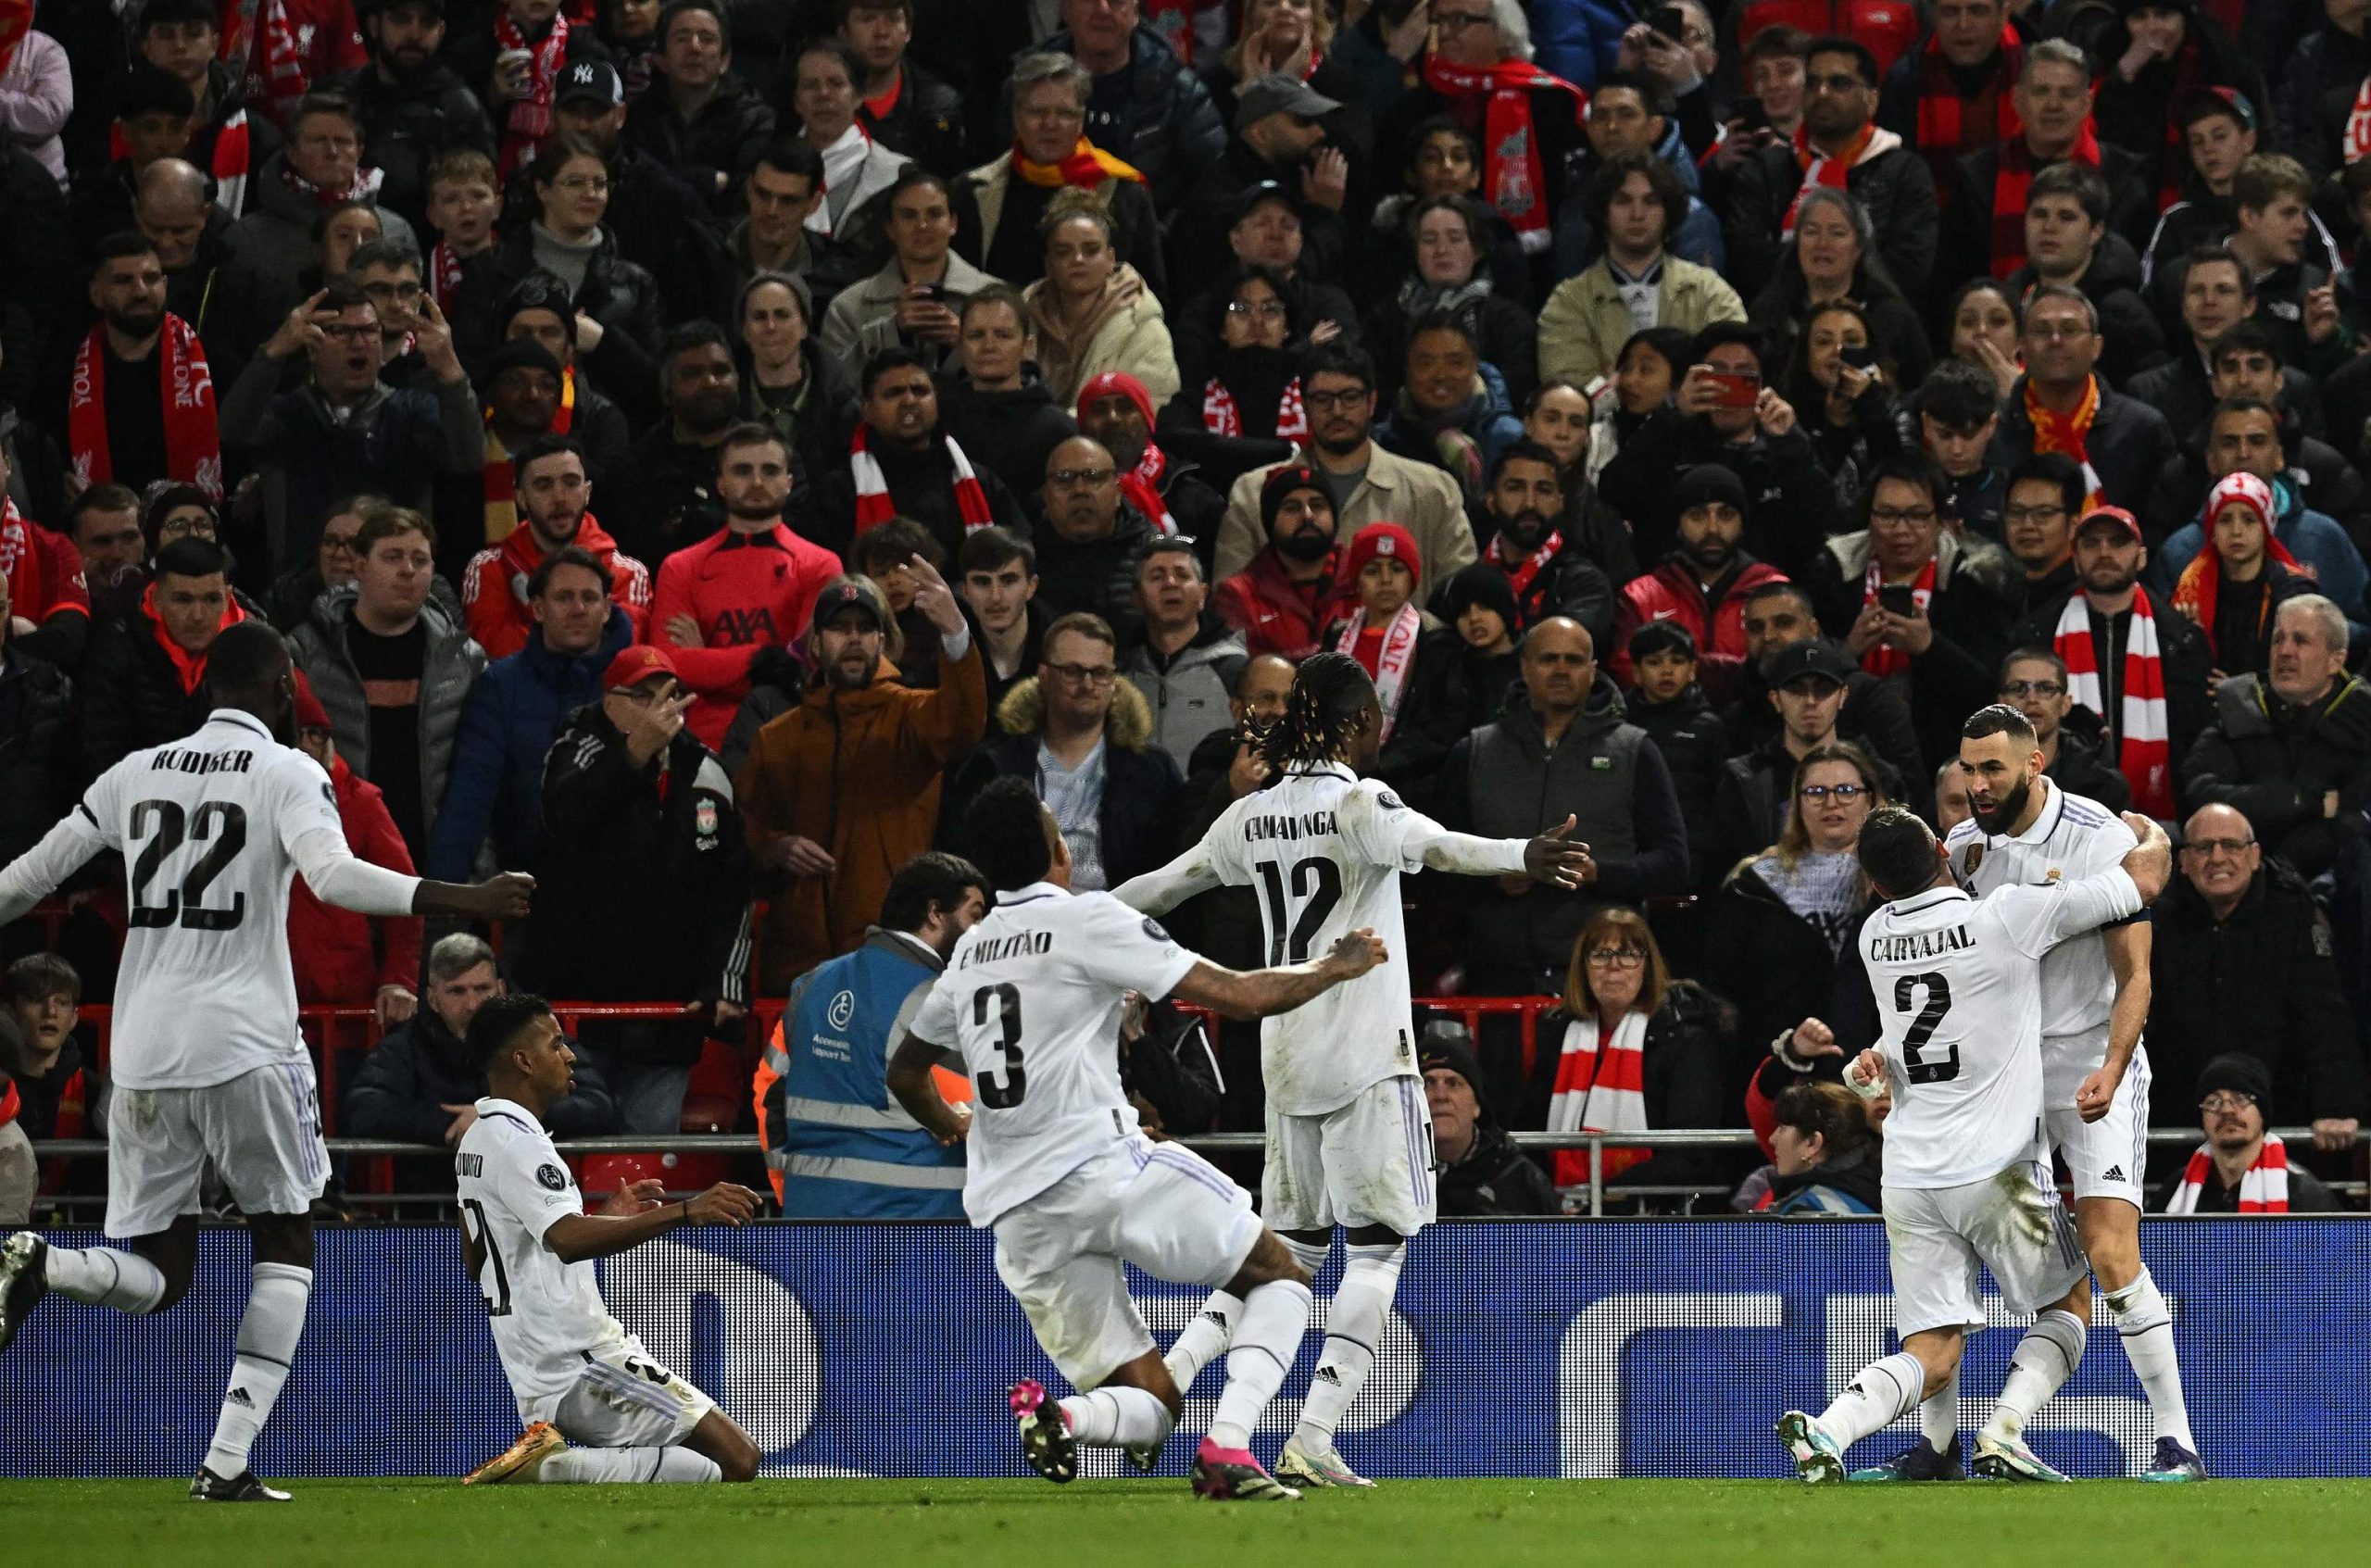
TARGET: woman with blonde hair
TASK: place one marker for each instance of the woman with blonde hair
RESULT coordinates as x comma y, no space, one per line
1782,918
1091,311
1634,1049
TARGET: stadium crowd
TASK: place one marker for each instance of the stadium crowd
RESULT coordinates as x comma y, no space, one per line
692,449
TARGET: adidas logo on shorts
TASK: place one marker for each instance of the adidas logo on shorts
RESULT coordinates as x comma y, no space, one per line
2115,1173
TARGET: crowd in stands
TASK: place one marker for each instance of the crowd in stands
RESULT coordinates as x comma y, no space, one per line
692,448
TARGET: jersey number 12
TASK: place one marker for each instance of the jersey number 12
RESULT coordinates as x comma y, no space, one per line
1317,884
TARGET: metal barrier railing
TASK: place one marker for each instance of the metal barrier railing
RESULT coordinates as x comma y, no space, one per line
1595,1144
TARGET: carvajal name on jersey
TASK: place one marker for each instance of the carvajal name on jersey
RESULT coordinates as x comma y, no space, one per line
1021,945
172,760
1919,945
1307,824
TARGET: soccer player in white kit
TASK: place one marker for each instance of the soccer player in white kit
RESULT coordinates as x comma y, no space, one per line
1958,990
207,1060
2095,995
595,1406
1029,1007
1350,1134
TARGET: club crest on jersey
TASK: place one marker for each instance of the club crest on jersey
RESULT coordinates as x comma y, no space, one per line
2052,876
704,823
552,1177
1975,856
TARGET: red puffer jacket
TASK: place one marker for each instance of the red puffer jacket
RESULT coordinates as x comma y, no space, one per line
337,959
1670,592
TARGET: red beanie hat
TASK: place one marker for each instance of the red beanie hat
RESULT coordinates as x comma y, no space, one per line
310,714
1382,539
1118,382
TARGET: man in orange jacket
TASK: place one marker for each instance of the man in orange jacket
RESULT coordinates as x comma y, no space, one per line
843,789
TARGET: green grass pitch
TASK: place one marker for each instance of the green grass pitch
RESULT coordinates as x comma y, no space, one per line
983,1524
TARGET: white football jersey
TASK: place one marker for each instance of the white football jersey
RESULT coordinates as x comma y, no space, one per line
545,1313
1323,848
2074,837
1031,1001
212,829
1958,986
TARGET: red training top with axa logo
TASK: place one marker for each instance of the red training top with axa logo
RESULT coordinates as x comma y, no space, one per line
743,592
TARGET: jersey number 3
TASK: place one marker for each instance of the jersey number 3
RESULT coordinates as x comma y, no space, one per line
1940,1067
1317,882
160,827
1006,998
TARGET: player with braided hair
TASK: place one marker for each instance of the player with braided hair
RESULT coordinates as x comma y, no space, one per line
1349,1137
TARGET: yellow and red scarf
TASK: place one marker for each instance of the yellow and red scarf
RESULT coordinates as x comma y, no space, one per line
2070,434
1087,167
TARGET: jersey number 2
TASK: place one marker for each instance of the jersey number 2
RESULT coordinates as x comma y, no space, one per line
1318,882
1944,1066
162,827
1006,998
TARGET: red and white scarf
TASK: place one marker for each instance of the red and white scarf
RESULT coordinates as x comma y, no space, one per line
1833,170
185,387
234,152
2264,1187
530,120
1394,655
1883,659
1519,575
1141,485
2069,433
274,74
2356,142
873,506
2011,184
1601,1087
1513,179
1949,124
1221,417
364,187
2144,745
444,274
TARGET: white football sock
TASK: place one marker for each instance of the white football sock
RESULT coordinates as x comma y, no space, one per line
2046,1358
1884,1392
586,1466
1266,1340
2146,1327
268,1335
1205,1337
1310,1254
104,1276
1939,1418
1116,1416
1353,1327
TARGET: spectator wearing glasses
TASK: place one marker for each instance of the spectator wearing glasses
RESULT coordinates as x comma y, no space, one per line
2241,962
1756,794
2060,405
1087,550
1085,737
2241,1168
2044,497
2032,681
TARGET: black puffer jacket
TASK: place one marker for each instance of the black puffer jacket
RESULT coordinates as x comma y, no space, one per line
617,293
1494,1181
2131,339
1770,963
1010,433
36,758
2317,96
130,696
1095,575
1172,131
1695,745
408,125
418,1067
1897,188
712,150
2275,763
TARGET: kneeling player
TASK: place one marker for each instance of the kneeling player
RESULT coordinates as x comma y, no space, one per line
1030,1004
1958,987
581,1379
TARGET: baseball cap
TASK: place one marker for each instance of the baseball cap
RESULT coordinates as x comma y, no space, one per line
1278,93
1802,660
2124,522
848,593
596,79
2200,101
1259,194
634,665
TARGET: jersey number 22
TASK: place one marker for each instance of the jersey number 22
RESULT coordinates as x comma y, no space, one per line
160,827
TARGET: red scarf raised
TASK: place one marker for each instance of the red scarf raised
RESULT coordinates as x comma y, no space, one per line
873,506
274,74
2144,747
185,387
530,120
2010,186
189,667
1883,659
1087,167
1221,417
1141,485
228,164
1513,179
1519,576
1950,125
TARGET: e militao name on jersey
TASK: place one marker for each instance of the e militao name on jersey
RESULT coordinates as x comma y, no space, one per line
1021,945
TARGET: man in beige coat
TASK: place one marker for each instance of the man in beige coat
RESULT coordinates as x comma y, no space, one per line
1636,202
917,300
1368,483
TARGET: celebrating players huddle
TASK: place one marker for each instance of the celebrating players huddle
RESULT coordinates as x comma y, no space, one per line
2009,968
